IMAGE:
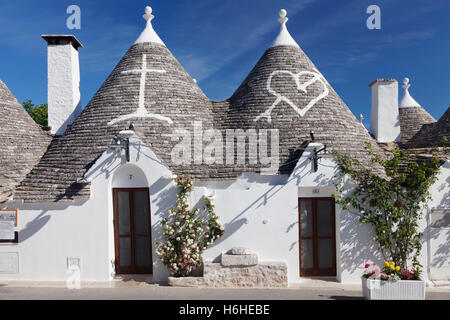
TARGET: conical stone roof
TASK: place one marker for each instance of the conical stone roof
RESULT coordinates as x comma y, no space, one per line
172,99
430,135
412,119
286,80
412,116
22,142
166,98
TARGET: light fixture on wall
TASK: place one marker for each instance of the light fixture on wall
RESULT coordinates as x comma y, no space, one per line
316,157
122,141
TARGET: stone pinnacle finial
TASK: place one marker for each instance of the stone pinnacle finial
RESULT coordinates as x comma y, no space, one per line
148,14
149,34
406,84
284,38
283,19
407,100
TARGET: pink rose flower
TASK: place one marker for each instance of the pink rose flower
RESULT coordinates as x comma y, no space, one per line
377,271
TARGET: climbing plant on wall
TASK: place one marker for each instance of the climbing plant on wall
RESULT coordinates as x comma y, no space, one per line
187,232
392,203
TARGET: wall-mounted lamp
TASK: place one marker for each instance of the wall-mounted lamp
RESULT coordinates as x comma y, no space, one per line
316,157
122,141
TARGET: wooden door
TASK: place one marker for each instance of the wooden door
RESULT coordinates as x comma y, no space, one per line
132,228
317,237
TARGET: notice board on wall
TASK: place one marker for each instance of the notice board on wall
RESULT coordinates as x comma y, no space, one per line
8,223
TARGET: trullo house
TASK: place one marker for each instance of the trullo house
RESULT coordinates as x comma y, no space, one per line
90,192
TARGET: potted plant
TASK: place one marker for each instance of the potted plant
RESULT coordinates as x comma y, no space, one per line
391,199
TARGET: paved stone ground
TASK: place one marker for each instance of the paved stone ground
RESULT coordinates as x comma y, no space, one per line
156,292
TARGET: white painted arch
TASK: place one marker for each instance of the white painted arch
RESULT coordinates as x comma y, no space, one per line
129,176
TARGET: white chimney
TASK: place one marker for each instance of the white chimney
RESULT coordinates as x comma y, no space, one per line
384,117
64,97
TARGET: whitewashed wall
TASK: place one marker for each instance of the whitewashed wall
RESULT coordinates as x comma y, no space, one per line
438,244
258,212
261,216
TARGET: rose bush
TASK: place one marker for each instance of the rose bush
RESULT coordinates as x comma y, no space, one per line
187,232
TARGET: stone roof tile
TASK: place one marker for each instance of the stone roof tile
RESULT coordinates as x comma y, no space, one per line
22,143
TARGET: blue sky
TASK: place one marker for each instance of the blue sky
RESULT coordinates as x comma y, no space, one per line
219,42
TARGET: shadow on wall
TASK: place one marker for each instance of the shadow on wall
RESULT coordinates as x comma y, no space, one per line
32,227
440,256
238,221
439,230
230,228
288,229
320,180
358,245
35,225
445,202
166,200
105,167
140,151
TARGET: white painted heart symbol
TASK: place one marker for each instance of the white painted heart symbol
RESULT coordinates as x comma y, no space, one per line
300,86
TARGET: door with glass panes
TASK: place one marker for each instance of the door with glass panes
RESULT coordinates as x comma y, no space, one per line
317,237
132,228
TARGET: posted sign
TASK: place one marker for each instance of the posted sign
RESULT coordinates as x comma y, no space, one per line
8,221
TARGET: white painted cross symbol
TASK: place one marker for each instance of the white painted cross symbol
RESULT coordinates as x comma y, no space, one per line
141,112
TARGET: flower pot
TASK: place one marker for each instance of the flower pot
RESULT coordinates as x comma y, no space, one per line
393,290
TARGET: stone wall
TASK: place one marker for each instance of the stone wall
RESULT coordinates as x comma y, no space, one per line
264,274
239,268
